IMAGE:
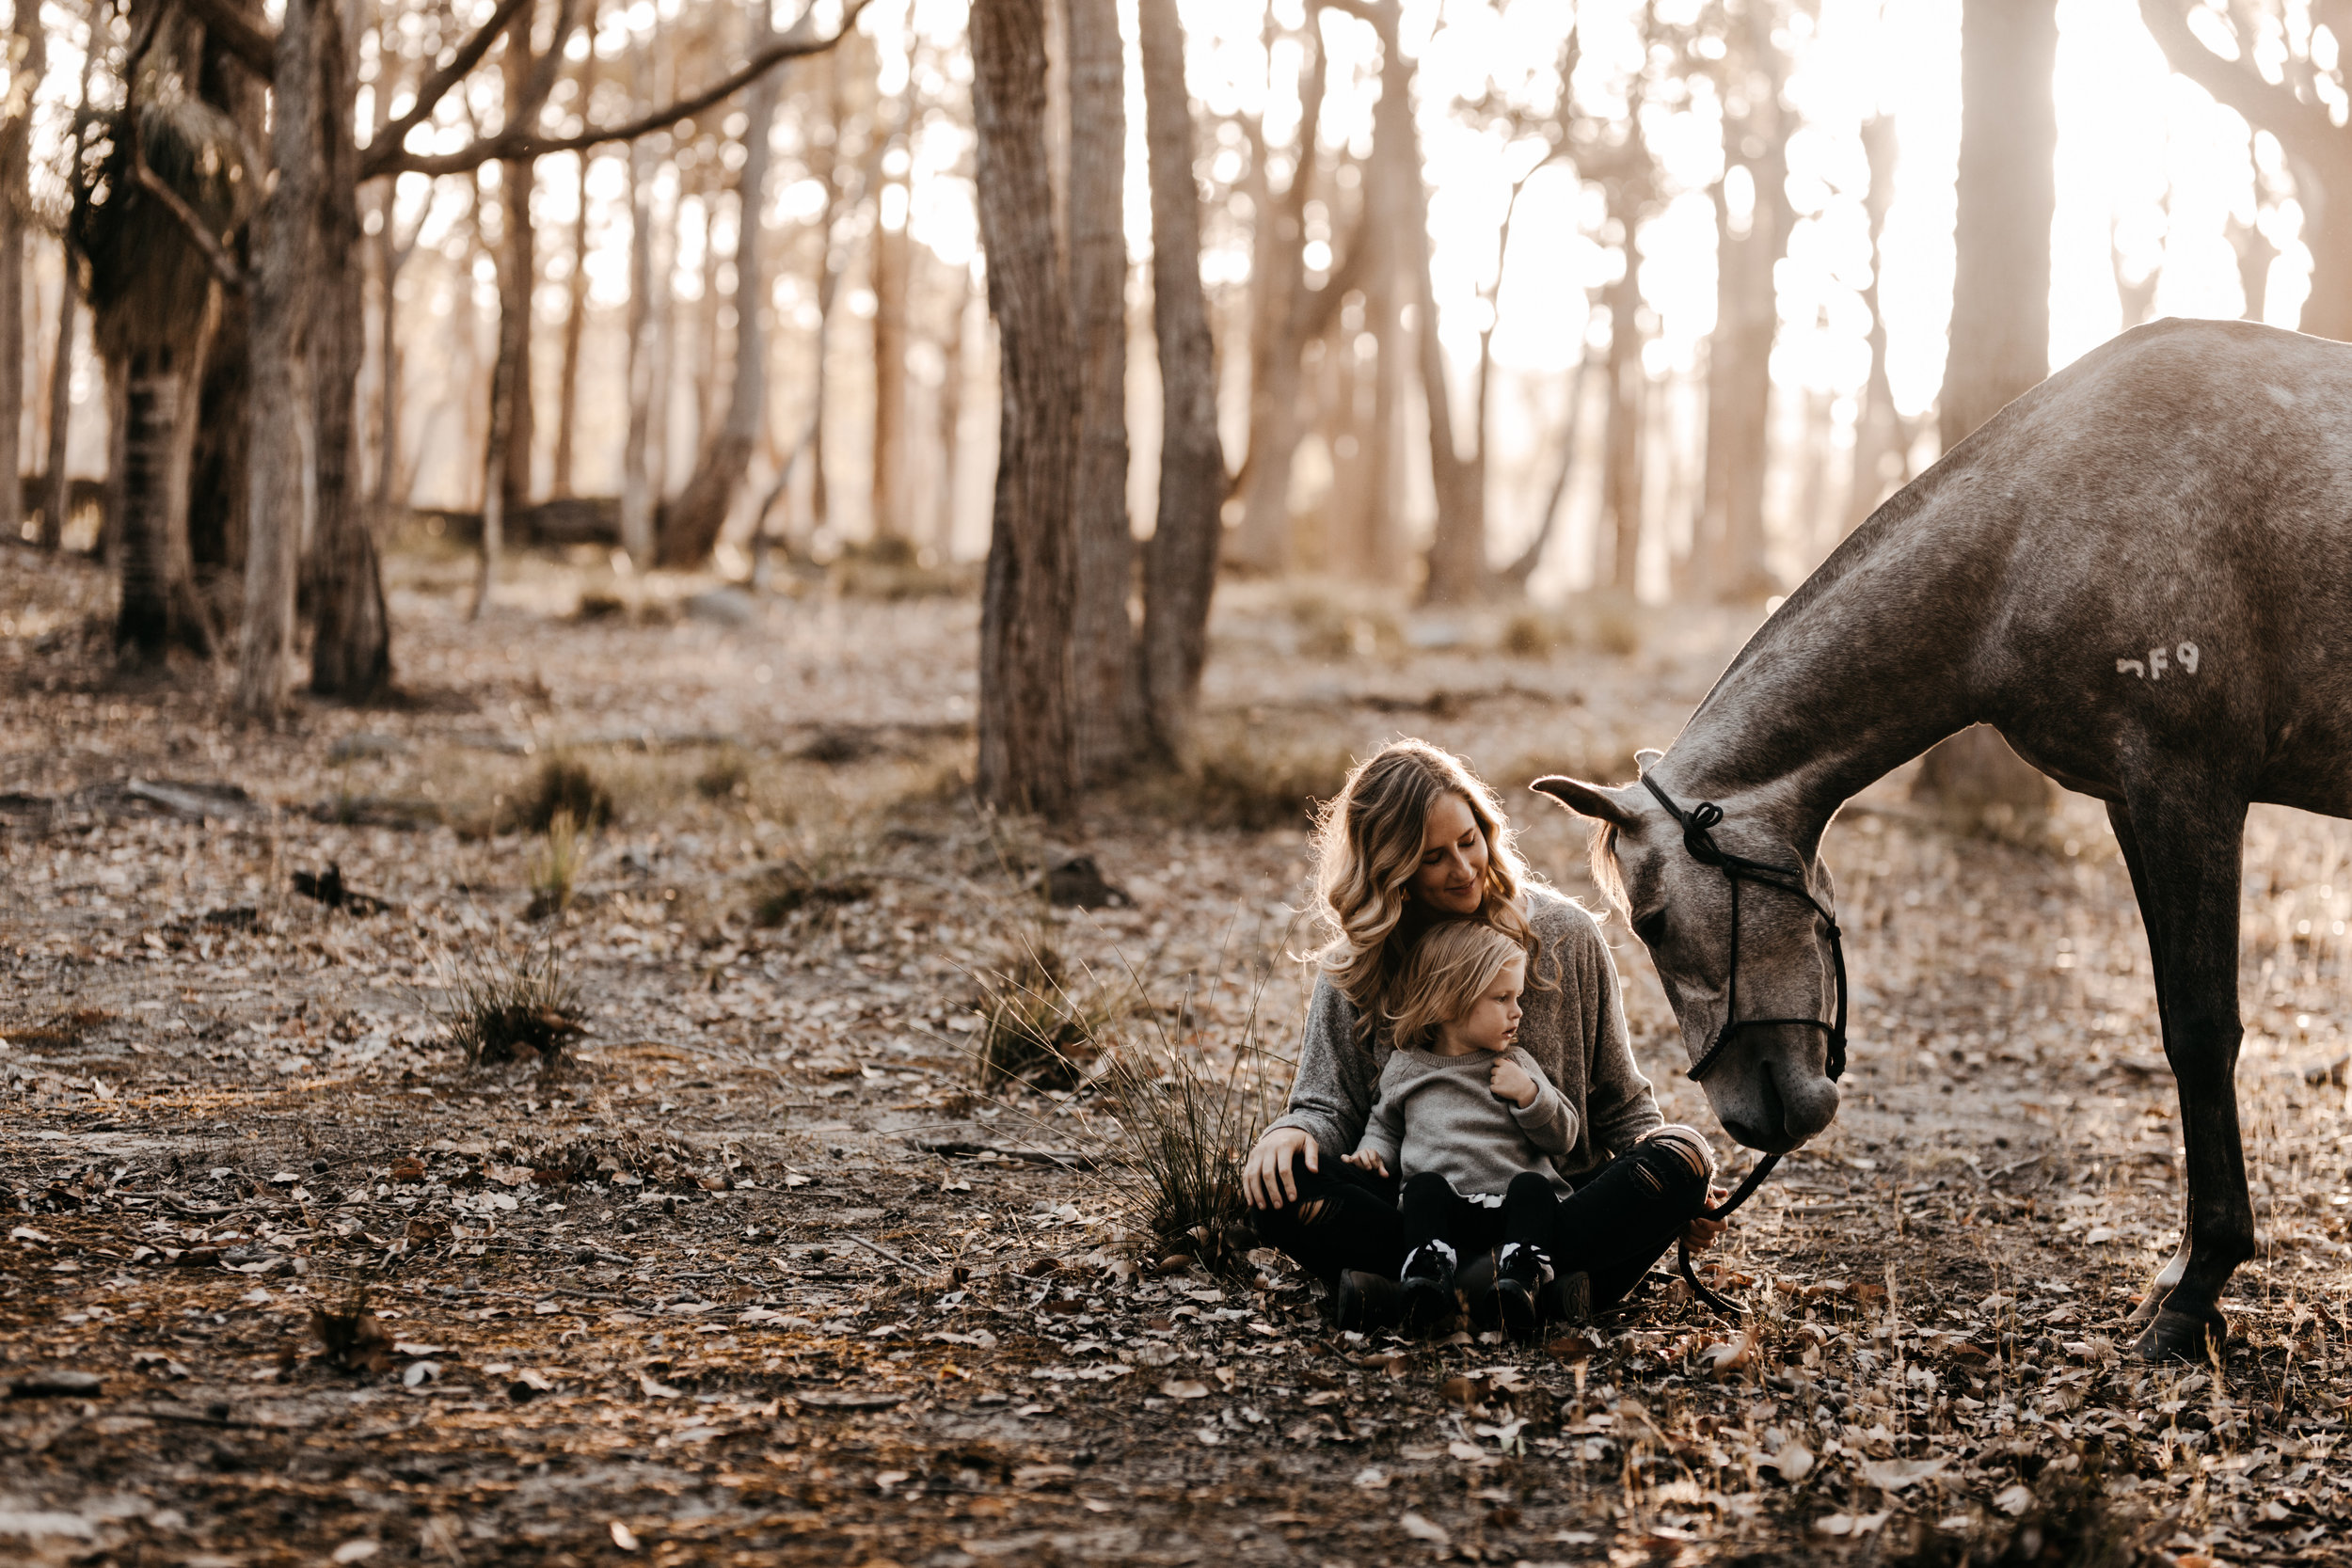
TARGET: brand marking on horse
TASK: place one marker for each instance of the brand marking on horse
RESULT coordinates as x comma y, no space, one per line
2160,659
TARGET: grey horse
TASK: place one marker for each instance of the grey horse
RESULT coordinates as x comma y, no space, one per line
2140,573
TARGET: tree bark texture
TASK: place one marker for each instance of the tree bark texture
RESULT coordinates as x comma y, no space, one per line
31,60
519,263
2000,332
351,636
1027,758
1180,563
285,267
156,404
1728,549
690,525
1107,704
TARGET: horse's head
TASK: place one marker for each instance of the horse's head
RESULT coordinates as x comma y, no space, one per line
1770,1082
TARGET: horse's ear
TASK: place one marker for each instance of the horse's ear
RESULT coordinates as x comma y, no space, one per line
1648,758
1586,799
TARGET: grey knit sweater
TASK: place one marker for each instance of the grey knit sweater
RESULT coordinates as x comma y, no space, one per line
1575,1031
1442,1114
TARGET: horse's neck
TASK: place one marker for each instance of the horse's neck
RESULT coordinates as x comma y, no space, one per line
1864,668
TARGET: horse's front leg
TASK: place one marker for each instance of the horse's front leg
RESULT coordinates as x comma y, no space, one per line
2161,1286
2187,879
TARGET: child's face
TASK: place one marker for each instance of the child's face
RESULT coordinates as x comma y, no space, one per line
1492,1022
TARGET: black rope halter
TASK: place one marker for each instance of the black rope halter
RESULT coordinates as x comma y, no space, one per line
1698,837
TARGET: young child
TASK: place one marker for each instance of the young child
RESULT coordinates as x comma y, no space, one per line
1463,1115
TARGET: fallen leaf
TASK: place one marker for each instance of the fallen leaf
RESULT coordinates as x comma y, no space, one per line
654,1390
2015,1501
1893,1475
1794,1461
1184,1388
1426,1530
1372,1479
357,1549
624,1537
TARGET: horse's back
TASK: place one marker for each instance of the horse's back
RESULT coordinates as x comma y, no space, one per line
2175,510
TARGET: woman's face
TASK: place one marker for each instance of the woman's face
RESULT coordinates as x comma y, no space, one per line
1452,876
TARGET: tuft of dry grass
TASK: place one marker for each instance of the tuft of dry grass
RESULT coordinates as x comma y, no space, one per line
498,1007
565,784
795,886
1034,1029
556,869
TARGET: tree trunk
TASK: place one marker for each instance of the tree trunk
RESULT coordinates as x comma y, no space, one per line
1629,387
1027,760
283,296
388,264
1261,541
575,319
1878,428
1180,564
2000,332
351,655
689,526
156,402
1729,547
16,137
519,262
637,497
55,498
942,530
1457,570
890,259
2000,328
1105,701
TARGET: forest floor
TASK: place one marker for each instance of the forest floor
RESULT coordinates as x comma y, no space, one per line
756,1271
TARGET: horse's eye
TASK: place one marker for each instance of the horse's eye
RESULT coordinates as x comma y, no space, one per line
1651,928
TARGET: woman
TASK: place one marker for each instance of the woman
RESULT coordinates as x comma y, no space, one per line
1416,838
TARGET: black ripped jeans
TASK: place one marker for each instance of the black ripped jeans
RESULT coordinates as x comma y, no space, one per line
1618,1221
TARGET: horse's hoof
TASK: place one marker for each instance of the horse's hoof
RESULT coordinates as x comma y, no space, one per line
2183,1336
2145,1314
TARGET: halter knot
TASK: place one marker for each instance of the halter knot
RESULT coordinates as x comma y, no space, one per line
1697,837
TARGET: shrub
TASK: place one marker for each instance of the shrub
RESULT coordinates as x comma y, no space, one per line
1034,1028
1185,1131
1533,633
500,1006
565,785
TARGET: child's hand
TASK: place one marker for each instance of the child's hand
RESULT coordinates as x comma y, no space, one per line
1366,1159
1510,1082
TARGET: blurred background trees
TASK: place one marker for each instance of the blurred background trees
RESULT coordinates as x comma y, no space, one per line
1453,306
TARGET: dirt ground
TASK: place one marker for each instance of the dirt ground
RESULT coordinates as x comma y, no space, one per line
757,1273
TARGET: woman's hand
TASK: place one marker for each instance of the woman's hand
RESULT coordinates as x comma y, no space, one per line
1510,1082
1266,1177
1366,1159
1702,1233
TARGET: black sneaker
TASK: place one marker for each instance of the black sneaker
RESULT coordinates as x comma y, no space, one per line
1521,1274
1427,1283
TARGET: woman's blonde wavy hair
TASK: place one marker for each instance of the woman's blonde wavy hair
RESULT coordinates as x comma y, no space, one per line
1448,970
1367,847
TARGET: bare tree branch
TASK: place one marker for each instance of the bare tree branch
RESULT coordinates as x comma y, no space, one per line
255,46
2304,129
387,157
437,86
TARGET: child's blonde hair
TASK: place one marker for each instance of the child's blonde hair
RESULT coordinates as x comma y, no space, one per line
1450,969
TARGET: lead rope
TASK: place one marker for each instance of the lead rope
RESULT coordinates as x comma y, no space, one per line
1698,838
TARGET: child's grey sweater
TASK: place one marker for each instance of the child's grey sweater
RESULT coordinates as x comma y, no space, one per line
1442,1114
1574,1028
